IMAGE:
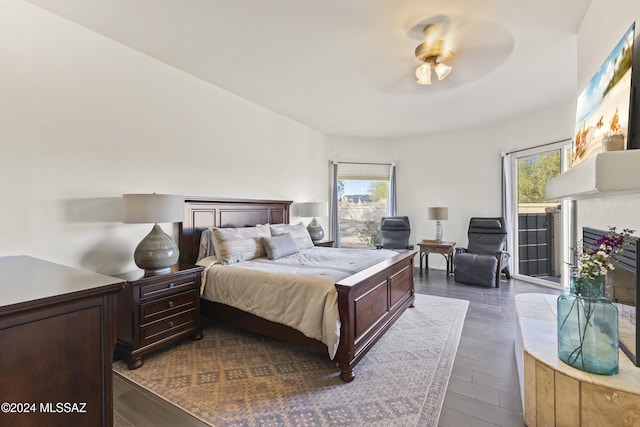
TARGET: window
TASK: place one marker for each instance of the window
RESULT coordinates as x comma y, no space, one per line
364,196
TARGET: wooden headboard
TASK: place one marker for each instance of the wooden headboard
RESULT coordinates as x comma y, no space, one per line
203,212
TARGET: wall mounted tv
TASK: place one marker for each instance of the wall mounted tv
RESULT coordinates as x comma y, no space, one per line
604,106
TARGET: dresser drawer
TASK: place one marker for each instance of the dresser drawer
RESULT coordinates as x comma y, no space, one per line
167,287
168,306
168,327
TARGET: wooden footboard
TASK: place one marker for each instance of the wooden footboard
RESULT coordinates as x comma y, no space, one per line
369,303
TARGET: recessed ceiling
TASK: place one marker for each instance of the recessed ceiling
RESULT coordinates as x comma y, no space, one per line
347,67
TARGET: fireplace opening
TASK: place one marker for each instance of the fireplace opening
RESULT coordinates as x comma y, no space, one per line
621,286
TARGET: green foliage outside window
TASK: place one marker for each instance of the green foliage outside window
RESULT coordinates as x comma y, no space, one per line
369,235
533,174
378,190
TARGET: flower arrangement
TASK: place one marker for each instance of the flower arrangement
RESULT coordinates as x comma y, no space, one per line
595,263
587,321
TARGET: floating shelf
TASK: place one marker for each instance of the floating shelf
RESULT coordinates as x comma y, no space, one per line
609,173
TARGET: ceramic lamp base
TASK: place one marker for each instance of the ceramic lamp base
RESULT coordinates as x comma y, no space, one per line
157,252
438,231
315,230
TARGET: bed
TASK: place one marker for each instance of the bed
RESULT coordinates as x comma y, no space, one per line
368,301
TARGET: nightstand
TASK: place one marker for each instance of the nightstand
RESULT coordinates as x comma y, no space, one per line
324,243
155,311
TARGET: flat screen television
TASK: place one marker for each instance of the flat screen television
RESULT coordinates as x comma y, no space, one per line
604,106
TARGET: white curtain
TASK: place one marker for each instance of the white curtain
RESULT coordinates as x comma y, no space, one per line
507,205
393,206
333,216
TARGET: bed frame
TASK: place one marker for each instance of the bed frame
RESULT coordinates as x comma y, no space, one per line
369,302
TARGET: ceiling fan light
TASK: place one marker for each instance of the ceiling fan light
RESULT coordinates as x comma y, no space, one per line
423,74
442,70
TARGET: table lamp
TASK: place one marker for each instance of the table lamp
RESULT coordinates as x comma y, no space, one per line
438,213
157,252
312,209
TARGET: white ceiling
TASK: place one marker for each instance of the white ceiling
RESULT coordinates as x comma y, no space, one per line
346,67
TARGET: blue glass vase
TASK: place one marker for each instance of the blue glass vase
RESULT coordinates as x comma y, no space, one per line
588,327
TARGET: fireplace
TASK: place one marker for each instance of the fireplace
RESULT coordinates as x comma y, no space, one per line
622,287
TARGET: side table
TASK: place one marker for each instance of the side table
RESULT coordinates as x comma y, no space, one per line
158,310
436,247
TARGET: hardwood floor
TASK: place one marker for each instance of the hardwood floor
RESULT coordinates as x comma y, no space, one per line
483,389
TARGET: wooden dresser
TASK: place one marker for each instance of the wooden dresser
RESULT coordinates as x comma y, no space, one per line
155,311
57,332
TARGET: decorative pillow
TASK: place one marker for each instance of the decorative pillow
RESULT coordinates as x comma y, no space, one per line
298,232
279,246
239,244
207,248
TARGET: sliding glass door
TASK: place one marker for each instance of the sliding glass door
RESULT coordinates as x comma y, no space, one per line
539,226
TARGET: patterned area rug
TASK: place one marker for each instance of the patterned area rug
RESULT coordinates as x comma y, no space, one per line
236,378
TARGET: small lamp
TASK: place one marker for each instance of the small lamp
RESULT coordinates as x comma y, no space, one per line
312,209
157,252
438,214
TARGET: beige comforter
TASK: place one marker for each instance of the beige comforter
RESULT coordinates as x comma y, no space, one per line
297,290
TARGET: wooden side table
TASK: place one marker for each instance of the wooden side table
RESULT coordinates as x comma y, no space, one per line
436,247
155,311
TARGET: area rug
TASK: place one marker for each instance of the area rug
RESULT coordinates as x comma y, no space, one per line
237,378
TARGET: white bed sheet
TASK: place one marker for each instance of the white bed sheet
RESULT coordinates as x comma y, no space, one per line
297,290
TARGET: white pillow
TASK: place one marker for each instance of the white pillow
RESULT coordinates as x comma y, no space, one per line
207,248
298,232
239,244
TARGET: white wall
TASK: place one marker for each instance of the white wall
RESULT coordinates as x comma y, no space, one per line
84,119
460,170
603,26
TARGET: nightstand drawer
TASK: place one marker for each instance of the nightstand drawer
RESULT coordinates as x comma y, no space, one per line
167,287
168,327
168,306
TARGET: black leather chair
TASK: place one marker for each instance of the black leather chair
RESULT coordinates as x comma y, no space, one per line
482,262
394,233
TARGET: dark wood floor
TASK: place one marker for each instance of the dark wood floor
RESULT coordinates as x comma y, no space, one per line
483,389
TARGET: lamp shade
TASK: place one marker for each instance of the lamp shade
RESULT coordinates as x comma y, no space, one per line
438,213
152,208
310,209
442,70
423,74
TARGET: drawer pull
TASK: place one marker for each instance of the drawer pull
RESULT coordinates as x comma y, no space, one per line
171,324
170,304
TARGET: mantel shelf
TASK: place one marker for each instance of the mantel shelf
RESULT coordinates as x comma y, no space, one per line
609,173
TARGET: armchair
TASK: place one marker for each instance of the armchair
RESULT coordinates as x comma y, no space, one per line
394,233
485,257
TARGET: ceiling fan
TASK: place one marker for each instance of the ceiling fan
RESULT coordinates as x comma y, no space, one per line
433,53
473,48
